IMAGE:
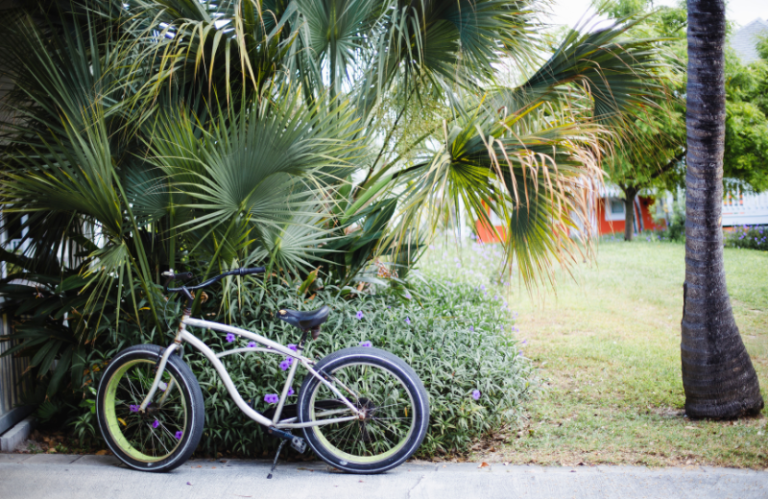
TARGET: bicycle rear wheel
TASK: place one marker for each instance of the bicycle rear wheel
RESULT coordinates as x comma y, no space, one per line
388,392
167,433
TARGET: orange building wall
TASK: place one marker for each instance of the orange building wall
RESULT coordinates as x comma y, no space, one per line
606,227
485,234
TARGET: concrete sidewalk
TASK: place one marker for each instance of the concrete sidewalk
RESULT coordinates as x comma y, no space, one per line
51,476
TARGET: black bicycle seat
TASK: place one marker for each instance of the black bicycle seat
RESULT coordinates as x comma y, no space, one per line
305,320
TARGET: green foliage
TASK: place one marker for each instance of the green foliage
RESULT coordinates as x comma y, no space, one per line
205,136
652,142
653,154
750,237
675,221
762,48
84,426
746,125
457,342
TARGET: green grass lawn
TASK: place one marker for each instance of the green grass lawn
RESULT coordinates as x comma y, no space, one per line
607,346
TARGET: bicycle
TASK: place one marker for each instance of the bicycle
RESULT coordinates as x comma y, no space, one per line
361,409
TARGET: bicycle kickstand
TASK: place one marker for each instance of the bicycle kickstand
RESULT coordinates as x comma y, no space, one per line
277,455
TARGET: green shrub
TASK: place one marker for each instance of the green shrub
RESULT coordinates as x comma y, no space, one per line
750,237
452,335
675,230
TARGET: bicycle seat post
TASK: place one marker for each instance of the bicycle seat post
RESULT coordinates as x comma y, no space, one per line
186,312
303,340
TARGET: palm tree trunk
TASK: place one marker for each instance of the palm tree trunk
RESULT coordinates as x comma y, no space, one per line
718,376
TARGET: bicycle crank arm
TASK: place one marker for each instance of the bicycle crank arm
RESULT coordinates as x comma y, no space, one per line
297,443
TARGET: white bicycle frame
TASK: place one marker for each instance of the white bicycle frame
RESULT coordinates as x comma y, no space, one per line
270,347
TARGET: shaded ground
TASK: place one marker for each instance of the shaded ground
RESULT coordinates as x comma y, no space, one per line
608,349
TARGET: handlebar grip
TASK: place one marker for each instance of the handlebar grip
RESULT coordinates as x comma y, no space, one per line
253,270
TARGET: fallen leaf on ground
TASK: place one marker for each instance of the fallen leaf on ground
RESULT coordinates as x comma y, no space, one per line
102,452
483,465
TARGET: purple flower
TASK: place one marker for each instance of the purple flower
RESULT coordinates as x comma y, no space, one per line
284,365
520,354
525,342
366,344
407,295
476,394
290,391
408,320
471,329
230,337
293,347
134,408
515,329
482,287
155,423
163,386
251,344
271,398
178,436
359,314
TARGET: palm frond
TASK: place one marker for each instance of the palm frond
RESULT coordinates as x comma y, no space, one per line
616,73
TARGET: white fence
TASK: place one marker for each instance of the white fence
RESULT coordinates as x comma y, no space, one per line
745,209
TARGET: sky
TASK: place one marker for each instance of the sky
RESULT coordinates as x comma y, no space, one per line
741,11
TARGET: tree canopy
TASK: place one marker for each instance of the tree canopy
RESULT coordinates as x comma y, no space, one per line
652,154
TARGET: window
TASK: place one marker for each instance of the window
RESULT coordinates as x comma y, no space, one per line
617,207
614,209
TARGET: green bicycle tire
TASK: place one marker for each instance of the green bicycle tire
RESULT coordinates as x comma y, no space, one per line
391,393
166,435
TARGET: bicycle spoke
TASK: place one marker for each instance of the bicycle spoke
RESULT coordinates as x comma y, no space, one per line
137,428
377,391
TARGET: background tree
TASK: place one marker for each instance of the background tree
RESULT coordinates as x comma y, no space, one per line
718,376
649,150
745,163
652,153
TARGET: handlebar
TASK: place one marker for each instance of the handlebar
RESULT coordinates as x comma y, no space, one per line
186,276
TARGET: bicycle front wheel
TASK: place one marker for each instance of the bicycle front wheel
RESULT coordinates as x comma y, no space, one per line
167,433
392,399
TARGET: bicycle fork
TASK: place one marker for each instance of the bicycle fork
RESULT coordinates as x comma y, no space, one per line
158,378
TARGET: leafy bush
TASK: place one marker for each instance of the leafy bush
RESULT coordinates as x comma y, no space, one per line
452,335
751,237
675,230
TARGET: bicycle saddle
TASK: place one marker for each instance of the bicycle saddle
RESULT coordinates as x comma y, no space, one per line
305,320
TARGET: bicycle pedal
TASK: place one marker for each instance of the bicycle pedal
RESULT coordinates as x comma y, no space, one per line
299,445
